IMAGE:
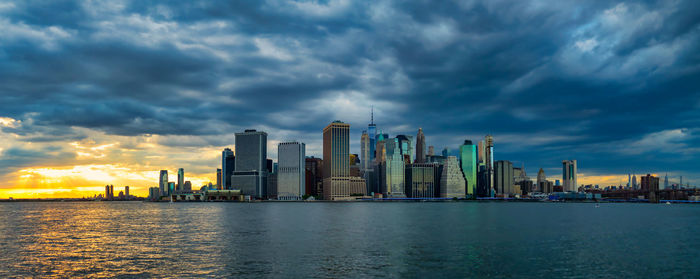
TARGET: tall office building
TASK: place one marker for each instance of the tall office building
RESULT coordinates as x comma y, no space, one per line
569,175
650,183
504,178
372,134
228,165
365,158
452,184
634,182
431,150
482,153
392,170
106,192
541,178
163,183
406,148
629,180
126,192
467,158
218,179
421,180
666,181
250,173
446,152
314,176
420,146
488,160
291,182
336,160
180,179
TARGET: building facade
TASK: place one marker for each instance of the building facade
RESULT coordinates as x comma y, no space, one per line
420,147
421,180
163,183
336,157
180,179
569,173
291,177
392,169
468,164
228,164
504,178
452,184
251,168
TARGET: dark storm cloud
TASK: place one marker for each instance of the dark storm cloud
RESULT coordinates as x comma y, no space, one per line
549,80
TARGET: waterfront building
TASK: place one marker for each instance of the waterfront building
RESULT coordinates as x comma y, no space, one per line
291,178
336,156
504,178
314,176
650,183
482,152
365,158
163,183
666,181
272,186
634,182
452,184
218,179
569,175
358,186
372,135
392,169
180,179
482,178
541,178
526,186
488,157
188,186
228,164
422,180
106,191
126,191
468,164
406,148
171,188
420,146
251,167
153,193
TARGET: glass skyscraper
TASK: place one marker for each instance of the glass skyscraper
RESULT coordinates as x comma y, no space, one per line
291,170
336,161
228,164
250,173
163,183
468,163
451,181
569,173
393,170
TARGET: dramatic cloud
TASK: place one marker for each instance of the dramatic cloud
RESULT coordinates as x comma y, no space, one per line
117,87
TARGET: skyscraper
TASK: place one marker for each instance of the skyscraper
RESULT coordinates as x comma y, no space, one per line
336,160
163,183
365,158
106,192
421,180
126,192
291,170
634,182
228,164
666,181
569,175
392,170
431,150
218,179
406,148
372,134
314,176
446,151
488,157
468,164
504,178
541,178
250,173
452,184
180,179
650,183
420,146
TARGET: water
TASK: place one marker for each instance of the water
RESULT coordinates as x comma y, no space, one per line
450,239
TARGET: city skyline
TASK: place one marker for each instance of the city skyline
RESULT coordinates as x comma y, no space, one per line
94,95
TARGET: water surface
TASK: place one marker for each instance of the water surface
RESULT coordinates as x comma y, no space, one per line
362,239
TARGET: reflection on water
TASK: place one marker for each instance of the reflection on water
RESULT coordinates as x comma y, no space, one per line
135,239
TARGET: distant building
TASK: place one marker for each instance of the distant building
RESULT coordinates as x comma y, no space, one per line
218,179
634,182
666,181
106,191
468,165
314,176
272,186
452,184
188,186
392,170
420,146
372,135
251,170
163,183
291,177
489,161
153,193
336,156
180,179
422,180
504,178
541,178
650,183
431,150
569,175
365,158
357,186
228,165
126,191
446,151
406,148
171,188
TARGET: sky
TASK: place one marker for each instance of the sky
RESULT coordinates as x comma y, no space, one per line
111,92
